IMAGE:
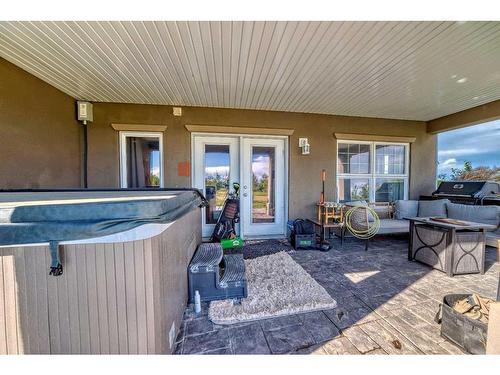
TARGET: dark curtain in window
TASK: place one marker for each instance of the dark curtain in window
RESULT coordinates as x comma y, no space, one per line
136,163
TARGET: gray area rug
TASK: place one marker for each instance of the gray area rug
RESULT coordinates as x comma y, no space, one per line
277,286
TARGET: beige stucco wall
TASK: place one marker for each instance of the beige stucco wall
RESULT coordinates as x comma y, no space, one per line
41,140
304,184
472,116
39,136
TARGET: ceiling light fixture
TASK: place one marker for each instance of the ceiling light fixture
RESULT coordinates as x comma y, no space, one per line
462,80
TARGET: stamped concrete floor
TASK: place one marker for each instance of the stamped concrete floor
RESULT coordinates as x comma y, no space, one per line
386,305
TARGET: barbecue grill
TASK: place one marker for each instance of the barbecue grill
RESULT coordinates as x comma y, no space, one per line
468,192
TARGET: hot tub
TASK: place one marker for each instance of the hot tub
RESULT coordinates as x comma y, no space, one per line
124,255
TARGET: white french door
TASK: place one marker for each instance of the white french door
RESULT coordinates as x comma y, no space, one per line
263,187
259,165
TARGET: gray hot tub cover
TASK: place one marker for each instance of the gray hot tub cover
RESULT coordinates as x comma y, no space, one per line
76,221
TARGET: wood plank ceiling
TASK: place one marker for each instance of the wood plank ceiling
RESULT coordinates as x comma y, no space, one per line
405,70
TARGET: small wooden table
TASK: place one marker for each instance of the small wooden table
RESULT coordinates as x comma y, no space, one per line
451,248
330,211
329,226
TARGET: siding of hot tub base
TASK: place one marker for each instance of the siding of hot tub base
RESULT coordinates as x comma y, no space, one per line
118,298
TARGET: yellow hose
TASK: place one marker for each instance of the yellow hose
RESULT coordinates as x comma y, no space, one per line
372,227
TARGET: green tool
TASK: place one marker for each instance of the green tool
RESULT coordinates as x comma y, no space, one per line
231,243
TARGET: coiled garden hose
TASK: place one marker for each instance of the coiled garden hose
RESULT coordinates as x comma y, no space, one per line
353,224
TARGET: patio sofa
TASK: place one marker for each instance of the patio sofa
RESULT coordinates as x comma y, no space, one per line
388,223
392,221
442,208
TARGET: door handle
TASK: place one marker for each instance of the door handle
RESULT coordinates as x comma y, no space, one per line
245,194
244,187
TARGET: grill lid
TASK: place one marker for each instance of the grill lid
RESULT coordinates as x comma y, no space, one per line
466,188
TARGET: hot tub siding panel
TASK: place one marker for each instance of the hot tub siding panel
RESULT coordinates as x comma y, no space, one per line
111,299
116,298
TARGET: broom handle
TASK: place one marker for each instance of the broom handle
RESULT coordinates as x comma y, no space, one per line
323,178
498,288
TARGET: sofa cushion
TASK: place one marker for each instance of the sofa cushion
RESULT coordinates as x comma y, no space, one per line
479,214
435,208
382,211
388,226
405,209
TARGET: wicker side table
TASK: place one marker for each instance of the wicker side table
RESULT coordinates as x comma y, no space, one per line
454,249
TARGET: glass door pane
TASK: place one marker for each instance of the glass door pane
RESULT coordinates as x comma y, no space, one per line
216,174
215,168
263,184
263,190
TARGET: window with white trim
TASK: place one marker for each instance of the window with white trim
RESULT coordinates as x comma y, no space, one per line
141,159
372,171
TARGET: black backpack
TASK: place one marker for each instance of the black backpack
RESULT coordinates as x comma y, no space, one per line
301,226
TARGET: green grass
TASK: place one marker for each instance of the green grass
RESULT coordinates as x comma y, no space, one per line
260,199
220,197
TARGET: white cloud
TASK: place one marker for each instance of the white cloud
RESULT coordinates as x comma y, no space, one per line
460,152
222,170
447,165
448,162
260,166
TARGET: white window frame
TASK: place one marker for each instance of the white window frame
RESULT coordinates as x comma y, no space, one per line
372,176
123,154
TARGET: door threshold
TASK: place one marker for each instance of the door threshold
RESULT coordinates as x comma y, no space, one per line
255,238
266,237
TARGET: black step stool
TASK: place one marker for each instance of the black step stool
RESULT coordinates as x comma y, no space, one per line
215,275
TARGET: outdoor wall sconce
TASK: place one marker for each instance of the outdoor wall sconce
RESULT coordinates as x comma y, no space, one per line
304,145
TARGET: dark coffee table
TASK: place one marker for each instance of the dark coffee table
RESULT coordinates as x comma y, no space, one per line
452,248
